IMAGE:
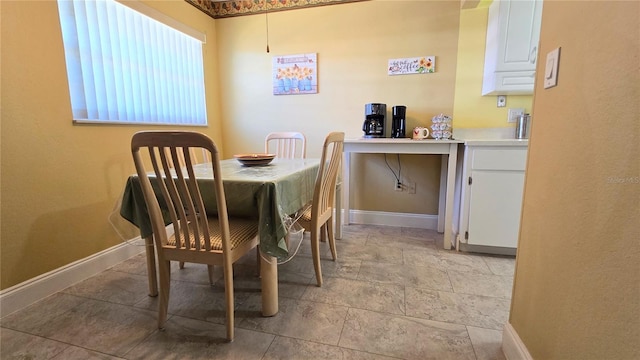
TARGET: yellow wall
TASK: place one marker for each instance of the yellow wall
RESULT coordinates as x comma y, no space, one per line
354,43
577,285
60,181
472,110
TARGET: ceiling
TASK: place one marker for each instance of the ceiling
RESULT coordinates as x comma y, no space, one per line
221,8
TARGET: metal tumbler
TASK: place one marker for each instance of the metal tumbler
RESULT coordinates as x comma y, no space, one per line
522,126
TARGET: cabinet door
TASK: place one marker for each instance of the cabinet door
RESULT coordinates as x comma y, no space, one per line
518,35
494,208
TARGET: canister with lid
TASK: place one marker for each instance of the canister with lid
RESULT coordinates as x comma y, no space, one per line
523,125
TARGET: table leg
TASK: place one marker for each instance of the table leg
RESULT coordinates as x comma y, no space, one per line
338,209
151,266
346,178
443,192
451,185
269,282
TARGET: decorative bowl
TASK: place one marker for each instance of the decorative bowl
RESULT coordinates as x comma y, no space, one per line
254,159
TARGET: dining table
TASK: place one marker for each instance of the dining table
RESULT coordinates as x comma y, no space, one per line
272,193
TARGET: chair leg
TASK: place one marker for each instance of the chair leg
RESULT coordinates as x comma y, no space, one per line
258,258
332,239
210,271
181,264
165,282
151,266
315,252
228,291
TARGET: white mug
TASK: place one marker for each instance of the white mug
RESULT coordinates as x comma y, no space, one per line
420,133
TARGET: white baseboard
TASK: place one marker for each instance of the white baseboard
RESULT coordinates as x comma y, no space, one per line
512,346
420,221
26,293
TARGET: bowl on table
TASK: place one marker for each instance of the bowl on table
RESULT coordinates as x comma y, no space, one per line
254,159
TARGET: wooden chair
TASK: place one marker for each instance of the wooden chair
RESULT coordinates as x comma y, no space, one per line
182,162
289,145
318,219
197,238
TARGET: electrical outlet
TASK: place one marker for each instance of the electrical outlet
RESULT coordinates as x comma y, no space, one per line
411,187
514,113
502,101
397,186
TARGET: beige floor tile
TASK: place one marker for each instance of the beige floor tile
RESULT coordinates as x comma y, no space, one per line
376,253
185,338
501,265
368,295
197,301
353,237
426,234
401,242
298,319
134,265
78,353
247,280
482,311
406,275
423,257
284,348
343,267
405,337
34,318
301,263
486,343
112,286
96,325
198,273
462,262
481,284
383,230
19,345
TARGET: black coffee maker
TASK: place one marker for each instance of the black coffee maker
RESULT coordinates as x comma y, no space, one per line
398,121
375,115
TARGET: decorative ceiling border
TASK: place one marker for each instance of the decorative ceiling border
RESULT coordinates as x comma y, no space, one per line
222,9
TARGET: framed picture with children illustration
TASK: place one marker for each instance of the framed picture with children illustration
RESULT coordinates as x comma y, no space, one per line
295,74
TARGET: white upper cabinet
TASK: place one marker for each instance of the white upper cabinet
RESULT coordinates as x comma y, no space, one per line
513,31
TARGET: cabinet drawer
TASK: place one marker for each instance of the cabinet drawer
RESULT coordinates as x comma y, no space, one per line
502,159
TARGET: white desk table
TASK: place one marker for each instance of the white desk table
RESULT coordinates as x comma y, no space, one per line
447,148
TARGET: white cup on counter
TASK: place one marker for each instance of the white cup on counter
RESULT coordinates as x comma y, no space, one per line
420,133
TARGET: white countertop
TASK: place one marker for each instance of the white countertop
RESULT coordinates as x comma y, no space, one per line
489,137
399,140
496,142
468,136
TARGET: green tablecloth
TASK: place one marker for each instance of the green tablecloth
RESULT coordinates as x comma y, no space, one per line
271,193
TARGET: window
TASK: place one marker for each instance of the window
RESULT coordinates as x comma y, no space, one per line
125,67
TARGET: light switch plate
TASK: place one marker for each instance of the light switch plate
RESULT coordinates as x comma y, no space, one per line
551,69
514,113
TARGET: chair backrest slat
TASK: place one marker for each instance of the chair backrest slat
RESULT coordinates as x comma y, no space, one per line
288,144
330,161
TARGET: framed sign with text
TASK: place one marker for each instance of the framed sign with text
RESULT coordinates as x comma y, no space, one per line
416,65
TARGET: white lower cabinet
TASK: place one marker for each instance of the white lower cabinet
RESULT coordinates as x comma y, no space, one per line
492,183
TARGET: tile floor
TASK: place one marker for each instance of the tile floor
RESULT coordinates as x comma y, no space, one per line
393,293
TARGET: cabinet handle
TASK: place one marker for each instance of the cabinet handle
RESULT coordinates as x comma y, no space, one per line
534,53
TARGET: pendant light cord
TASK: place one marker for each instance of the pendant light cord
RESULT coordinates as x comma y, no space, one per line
266,17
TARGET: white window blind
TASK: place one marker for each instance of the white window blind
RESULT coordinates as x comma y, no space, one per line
125,67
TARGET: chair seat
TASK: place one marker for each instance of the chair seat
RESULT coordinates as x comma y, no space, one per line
306,215
241,230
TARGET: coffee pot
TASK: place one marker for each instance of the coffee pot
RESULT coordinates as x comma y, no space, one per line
375,115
